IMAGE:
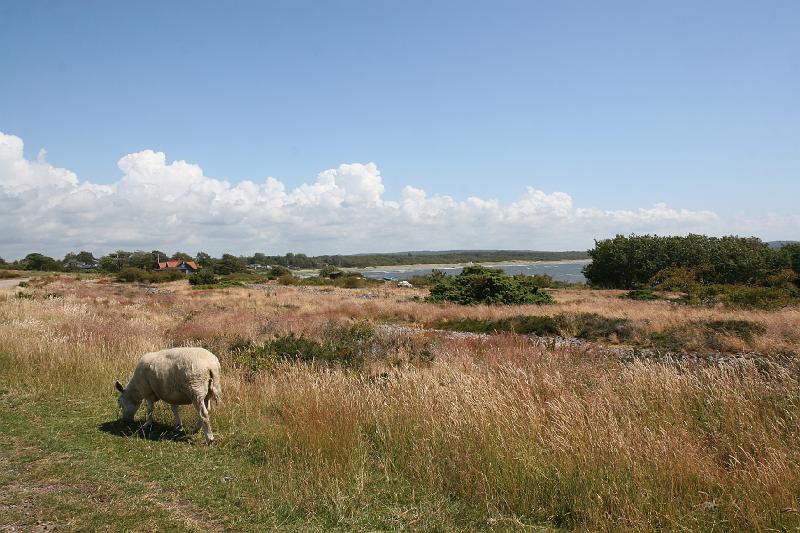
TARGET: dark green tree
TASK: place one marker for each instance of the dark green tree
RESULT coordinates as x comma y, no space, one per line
229,264
792,254
37,261
204,260
115,261
631,262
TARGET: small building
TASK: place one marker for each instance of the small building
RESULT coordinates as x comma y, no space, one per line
187,267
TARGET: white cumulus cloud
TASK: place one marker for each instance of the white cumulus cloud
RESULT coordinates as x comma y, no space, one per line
173,205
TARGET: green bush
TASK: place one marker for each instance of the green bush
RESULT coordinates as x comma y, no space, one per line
669,339
276,271
353,282
591,326
327,270
132,274
203,277
524,325
169,275
640,294
586,326
341,346
478,284
246,277
138,275
743,296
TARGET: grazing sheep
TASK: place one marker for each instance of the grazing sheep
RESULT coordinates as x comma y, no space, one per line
178,376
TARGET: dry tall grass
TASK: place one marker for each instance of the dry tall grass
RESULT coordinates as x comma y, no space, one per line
515,433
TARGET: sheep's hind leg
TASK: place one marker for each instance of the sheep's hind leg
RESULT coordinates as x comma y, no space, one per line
178,422
204,422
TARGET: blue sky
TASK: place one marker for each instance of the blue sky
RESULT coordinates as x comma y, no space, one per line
619,104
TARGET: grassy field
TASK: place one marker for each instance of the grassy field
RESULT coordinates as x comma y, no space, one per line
422,429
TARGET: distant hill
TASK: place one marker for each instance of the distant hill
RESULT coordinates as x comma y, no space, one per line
777,244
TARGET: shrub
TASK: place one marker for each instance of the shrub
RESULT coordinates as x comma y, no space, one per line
353,282
343,346
138,275
748,297
744,329
478,284
203,277
640,294
288,279
327,270
132,274
169,275
669,339
524,325
245,277
7,274
276,271
586,326
591,326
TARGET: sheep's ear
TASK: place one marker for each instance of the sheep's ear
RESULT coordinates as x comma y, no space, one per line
118,385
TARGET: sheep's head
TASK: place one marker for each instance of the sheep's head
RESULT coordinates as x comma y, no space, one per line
128,406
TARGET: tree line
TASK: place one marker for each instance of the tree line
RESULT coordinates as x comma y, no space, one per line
635,261
228,263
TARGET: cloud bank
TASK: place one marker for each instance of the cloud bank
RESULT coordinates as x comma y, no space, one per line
173,205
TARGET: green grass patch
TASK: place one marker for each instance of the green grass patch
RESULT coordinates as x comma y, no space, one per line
586,326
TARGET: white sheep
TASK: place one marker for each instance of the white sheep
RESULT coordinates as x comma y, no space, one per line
178,376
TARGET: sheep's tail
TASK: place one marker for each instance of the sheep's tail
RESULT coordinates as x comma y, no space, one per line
214,388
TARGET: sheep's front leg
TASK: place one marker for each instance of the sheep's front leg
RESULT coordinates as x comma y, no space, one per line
149,420
178,423
204,422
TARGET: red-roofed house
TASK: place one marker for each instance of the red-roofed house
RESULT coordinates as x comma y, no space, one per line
187,267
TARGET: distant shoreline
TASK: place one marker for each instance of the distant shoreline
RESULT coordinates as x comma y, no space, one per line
515,262
432,266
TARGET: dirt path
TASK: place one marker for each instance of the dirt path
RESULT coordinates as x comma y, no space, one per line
11,283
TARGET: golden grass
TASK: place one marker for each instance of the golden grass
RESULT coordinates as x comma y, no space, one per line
514,432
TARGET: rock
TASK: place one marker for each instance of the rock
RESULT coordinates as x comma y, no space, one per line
404,284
